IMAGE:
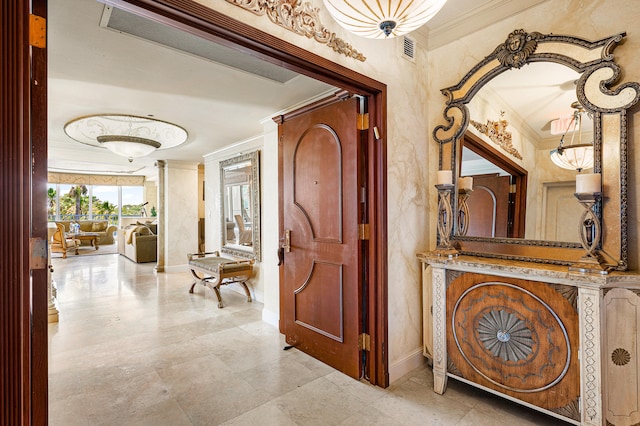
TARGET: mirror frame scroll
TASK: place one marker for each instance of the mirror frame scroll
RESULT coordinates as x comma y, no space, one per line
237,250
594,60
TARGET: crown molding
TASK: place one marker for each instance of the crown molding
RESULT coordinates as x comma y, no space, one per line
475,19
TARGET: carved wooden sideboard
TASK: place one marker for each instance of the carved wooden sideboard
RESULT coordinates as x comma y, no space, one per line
564,343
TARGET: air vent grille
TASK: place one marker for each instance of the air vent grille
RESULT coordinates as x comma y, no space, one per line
165,35
409,49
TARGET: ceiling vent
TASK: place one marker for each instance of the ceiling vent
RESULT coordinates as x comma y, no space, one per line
155,32
409,49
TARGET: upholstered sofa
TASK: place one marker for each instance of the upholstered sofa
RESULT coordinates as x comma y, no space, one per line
139,242
102,227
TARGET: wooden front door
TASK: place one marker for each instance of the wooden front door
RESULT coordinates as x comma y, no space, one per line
320,277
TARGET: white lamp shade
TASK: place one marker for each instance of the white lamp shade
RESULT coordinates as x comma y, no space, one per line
130,147
366,18
573,157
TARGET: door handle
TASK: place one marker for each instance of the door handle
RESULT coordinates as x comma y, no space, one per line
287,240
280,256
285,246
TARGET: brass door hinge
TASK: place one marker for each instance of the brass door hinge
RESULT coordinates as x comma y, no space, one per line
363,121
364,342
37,31
39,253
363,231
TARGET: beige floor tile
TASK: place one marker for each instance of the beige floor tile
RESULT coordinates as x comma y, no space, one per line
319,402
134,347
265,415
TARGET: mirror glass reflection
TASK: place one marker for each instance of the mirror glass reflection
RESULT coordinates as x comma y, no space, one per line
524,114
240,205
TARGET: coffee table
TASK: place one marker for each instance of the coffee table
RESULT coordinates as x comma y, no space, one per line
88,236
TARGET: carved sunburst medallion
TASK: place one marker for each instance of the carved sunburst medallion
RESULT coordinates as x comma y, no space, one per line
505,335
620,356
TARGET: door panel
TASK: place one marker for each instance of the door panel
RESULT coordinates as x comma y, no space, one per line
320,281
319,200
489,207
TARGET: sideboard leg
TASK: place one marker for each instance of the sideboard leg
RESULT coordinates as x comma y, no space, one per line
590,307
439,382
439,330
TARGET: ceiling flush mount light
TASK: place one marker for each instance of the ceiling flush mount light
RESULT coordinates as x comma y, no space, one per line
130,136
382,18
578,156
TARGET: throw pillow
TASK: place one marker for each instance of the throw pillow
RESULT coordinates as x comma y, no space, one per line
99,226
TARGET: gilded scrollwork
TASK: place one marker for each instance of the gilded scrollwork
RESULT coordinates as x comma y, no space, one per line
300,18
498,133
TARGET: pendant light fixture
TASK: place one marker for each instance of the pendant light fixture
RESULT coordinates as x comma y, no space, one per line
578,156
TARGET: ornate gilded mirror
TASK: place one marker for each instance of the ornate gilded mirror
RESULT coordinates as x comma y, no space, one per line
483,117
240,205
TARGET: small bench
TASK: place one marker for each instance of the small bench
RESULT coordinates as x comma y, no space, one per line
217,271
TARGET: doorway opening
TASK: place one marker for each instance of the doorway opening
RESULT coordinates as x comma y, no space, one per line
217,28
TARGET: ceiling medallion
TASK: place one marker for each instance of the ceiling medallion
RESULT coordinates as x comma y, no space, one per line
300,18
130,136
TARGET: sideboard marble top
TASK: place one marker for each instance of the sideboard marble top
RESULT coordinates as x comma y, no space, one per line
532,271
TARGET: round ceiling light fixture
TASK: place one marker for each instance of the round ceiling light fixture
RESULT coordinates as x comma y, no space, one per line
382,18
130,136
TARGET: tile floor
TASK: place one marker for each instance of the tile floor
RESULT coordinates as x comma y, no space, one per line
133,347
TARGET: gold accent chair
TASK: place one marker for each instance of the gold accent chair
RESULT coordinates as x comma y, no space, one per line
60,244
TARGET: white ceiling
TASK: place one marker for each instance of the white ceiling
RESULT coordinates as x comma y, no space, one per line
97,70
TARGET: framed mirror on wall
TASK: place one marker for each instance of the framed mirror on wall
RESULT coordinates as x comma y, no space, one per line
240,205
505,107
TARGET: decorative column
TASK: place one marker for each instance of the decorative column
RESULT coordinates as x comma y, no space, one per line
439,329
590,309
161,218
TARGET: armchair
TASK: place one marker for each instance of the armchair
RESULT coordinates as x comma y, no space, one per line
60,243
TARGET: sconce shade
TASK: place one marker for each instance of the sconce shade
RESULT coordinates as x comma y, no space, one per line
382,18
126,135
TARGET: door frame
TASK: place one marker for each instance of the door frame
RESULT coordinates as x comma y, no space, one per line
210,24
23,150
519,174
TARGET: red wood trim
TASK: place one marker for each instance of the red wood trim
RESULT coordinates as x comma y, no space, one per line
336,97
520,174
15,300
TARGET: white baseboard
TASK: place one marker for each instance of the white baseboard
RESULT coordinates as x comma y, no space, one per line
406,364
271,318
